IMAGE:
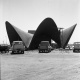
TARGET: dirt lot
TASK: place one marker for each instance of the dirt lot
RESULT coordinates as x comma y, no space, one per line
57,65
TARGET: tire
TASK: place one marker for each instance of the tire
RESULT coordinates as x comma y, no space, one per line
39,51
47,51
23,52
12,52
74,50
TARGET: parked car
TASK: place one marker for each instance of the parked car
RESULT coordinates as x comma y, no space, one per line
76,47
18,47
44,46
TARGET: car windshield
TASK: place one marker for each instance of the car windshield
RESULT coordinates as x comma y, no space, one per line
44,43
17,42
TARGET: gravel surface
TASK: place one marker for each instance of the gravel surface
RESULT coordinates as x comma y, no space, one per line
57,65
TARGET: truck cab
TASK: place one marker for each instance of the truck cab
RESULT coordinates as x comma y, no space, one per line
76,47
18,47
44,46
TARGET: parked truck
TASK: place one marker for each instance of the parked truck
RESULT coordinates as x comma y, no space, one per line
44,46
4,48
76,47
18,47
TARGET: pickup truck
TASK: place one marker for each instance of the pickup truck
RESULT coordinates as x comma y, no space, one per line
44,46
18,47
76,47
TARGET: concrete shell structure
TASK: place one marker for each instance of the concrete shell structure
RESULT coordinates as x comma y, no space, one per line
16,34
46,31
66,35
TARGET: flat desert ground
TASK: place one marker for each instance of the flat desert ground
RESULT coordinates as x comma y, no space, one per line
56,65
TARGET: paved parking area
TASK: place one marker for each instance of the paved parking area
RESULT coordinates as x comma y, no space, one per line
57,65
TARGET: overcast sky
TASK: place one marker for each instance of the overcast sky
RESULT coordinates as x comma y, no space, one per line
28,14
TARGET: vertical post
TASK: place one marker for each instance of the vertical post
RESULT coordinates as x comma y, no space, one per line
62,37
6,39
61,31
3,42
